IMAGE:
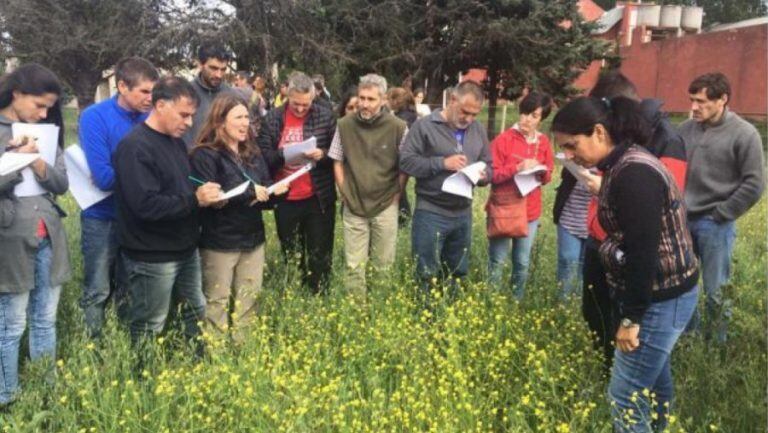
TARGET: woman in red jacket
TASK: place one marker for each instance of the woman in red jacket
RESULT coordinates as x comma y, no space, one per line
520,148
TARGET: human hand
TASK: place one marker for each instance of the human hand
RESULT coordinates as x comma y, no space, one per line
208,194
526,164
314,154
261,193
455,162
281,189
24,144
593,182
627,338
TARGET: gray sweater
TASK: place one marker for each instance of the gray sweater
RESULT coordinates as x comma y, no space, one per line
206,95
428,142
19,217
726,167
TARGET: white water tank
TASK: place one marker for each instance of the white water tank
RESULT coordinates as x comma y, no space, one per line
648,15
670,16
692,17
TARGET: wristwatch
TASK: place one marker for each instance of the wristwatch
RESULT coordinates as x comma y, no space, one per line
628,323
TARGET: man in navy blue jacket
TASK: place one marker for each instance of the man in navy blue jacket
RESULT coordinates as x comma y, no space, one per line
102,126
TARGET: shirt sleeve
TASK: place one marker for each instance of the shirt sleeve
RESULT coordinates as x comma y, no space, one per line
638,194
93,140
336,151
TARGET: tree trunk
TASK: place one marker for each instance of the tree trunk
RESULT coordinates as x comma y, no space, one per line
84,85
493,97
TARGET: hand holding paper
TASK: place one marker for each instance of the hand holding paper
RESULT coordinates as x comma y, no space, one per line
591,181
461,182
295,175
46,143
528,180
295,153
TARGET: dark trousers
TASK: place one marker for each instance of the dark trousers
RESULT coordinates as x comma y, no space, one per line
307,229
596,305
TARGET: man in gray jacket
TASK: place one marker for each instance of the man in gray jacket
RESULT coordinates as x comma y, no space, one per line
213,60
725,178
436,147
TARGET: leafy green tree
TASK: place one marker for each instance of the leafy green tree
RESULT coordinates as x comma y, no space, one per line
81,39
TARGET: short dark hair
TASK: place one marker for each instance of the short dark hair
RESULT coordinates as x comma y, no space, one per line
534,101
245,75
716,84
469,87
172,88
612,84
132,70
213,50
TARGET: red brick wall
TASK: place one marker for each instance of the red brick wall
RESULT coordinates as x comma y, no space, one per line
664,69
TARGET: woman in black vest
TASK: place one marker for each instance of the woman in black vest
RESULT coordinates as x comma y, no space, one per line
232,233
648,255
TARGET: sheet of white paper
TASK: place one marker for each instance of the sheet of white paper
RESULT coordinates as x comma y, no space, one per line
461,182
473,171
533,170
81,184
458,184
47,136
234,192
294,153
293,176
581,173
526,183
12,161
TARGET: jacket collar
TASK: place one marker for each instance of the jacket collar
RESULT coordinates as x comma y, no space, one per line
613,157
726,114
132,115
199,81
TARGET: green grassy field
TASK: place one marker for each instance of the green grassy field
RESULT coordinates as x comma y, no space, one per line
480,362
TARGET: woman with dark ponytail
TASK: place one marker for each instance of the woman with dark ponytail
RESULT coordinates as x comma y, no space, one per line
648,253
34,261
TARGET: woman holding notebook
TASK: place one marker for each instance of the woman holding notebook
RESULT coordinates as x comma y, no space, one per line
514,217
232,236
34,260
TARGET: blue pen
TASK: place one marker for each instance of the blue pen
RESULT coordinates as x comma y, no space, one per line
196,180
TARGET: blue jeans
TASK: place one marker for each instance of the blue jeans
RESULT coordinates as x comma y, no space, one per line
498,251
440,245
154,288
713,243
99,247
40,304
570,260
648,367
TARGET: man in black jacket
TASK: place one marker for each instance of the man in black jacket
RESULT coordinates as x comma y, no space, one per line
157,220
305,220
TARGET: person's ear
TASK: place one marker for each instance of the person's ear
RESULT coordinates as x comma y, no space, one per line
122,87
600,133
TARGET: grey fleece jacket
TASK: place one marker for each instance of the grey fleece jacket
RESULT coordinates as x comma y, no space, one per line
726,167
206,95
429,141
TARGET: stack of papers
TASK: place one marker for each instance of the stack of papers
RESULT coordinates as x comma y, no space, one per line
294,153
12,161
81,184
47,136
462,182
528,180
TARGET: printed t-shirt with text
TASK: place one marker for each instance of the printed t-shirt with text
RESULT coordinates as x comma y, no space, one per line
293,132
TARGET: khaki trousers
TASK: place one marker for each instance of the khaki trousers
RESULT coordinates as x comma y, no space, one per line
231,285
365,239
